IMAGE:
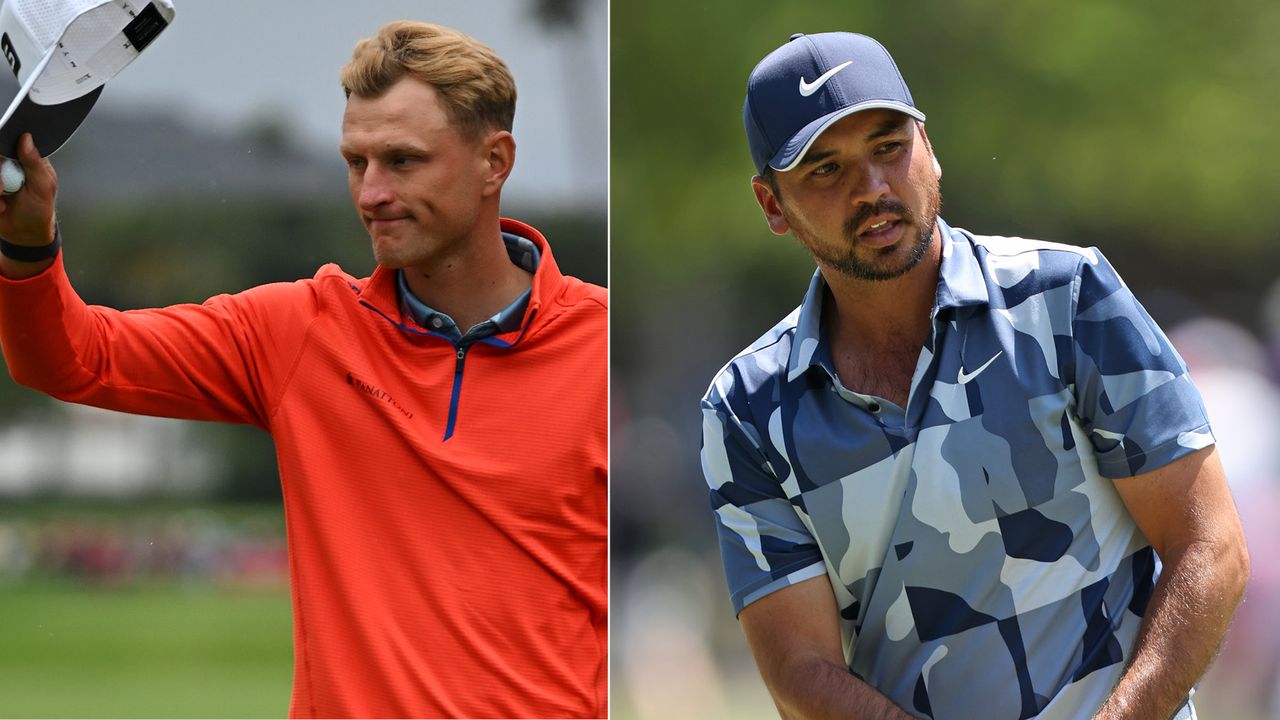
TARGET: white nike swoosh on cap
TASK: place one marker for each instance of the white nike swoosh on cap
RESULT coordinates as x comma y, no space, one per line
807,89
965,378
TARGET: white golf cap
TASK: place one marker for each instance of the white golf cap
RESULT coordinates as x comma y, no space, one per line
59,55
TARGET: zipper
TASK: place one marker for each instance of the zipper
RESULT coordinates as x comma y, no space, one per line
460,353
457,391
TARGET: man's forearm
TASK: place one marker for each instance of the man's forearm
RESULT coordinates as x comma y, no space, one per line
21,270
18,270
1190,610
817,689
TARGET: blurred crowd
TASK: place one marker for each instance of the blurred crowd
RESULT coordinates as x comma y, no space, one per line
120,550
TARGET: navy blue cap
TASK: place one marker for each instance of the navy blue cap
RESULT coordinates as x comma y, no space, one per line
805,86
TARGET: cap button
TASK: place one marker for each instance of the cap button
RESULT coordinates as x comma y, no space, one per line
794,36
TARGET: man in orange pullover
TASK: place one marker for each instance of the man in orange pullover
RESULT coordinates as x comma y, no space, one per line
440,425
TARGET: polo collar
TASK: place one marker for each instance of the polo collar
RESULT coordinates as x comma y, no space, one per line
960,278
379,291
960,283
523,253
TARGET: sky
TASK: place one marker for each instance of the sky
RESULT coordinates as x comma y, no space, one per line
226,64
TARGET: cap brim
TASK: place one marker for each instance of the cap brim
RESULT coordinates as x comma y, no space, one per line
50,125
793,151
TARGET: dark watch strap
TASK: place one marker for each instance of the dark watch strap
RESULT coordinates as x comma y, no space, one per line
28,253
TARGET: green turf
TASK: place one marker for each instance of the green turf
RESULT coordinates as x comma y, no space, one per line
158,651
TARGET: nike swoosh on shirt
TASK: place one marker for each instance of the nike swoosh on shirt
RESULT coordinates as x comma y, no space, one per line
807,89
964,377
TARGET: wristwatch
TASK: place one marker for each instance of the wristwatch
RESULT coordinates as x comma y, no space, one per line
31,254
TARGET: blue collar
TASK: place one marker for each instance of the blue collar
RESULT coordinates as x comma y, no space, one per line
960,283
523,253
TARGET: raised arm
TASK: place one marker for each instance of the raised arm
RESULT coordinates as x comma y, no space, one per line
26,217
225,360
1186,512
794,634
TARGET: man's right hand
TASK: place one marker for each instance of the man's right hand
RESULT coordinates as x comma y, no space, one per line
27,216
794,634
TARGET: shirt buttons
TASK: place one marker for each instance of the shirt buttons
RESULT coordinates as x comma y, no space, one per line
435,322
873,406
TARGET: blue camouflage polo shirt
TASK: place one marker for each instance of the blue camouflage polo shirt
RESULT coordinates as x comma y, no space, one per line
982,561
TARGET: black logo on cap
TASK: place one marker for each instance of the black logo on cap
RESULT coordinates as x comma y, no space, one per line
10,54
144,27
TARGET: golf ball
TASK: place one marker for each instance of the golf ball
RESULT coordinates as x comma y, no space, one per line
12,176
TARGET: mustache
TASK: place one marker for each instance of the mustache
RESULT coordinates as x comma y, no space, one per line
882,207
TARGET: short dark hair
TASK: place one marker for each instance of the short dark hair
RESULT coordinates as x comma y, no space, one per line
770,176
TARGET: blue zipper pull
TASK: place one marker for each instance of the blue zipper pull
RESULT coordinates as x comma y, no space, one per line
457,390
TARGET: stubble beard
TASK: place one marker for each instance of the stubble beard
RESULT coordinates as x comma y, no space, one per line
882,264
389,255
407,250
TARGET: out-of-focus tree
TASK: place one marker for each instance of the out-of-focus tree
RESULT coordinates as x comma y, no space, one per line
558,14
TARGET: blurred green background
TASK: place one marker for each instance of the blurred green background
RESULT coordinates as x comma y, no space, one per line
1147,129
143,569
144,609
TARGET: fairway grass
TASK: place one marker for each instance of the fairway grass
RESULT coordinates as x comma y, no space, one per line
170,650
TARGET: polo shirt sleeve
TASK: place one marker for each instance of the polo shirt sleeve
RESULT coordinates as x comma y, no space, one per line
223,360
764,543
1134,395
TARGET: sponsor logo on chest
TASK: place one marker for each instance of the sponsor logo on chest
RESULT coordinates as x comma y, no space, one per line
377,393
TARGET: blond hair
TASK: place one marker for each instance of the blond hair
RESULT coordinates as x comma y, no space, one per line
473,83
